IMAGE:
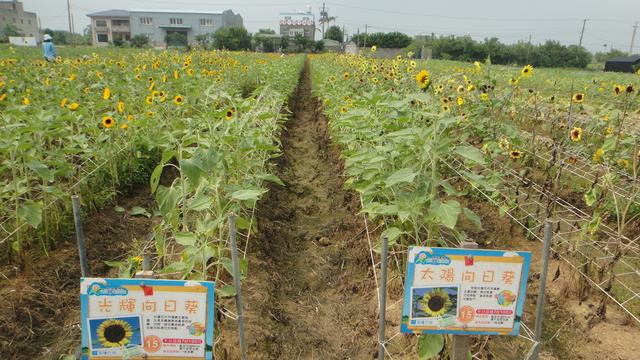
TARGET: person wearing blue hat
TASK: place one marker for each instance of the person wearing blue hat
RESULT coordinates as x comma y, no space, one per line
48,49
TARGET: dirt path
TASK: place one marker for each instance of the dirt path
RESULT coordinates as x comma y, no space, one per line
309,269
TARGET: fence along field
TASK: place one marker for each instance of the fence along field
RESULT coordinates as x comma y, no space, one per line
415,138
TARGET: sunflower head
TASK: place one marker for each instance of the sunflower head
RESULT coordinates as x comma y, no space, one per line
436,302
178,99
423,78
229,114
527,71
576,134
108,122
579,97
114,333
515,154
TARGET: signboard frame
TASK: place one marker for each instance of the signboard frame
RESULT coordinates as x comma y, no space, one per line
439,279
161,319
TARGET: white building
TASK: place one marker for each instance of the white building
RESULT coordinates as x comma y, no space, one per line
300,22
155,24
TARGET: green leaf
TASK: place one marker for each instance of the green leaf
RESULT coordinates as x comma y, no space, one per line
137,210
394,233
242,263
242,223
270,177
473,217
41,169
114,263
226,291
248,194
31,212
591,196
429,345
447,211
402,175
185,238
471,153
200,202
120,209
155,177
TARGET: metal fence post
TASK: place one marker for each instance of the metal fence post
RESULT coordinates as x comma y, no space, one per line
77,217
548,235
383,295
460,344
236,283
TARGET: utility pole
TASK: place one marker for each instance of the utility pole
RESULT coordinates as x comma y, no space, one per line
323,18
70,26
633,38
584,24
365,35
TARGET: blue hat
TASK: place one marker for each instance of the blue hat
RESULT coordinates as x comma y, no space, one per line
47,37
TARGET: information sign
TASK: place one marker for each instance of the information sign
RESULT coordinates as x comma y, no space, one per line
146,318
464,291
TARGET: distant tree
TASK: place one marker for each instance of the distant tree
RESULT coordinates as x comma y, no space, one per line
395,40
302,42
284,42
335,33
234,38
264,43
318,46
118,41
11,30
139,41
204,39
175,39
604,56
266,31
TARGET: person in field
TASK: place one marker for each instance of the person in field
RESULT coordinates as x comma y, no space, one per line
48,49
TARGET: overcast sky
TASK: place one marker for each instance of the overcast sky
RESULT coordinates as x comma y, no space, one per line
609,23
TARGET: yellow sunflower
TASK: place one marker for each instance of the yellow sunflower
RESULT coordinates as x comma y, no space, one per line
229,114
423,78
108,122
579,97
436,302
178,99
527,71
107,94
73,106
114,333
515,154
121,106
576,134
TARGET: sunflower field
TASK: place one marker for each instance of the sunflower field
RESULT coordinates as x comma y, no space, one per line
98,125
418,138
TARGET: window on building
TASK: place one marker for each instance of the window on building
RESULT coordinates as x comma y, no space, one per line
127,37
103,38
294,32
29,22
146,21
175,21
206,22
101,23
14,19
22,21
120,22
287,17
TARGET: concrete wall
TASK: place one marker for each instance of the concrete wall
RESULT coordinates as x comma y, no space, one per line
12,12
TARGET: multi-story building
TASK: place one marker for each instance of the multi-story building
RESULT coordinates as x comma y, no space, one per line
12,12
155,24
300,22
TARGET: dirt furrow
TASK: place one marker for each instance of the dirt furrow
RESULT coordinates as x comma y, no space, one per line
309,270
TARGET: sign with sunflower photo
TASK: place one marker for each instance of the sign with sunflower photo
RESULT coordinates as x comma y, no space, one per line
464,291
145,318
